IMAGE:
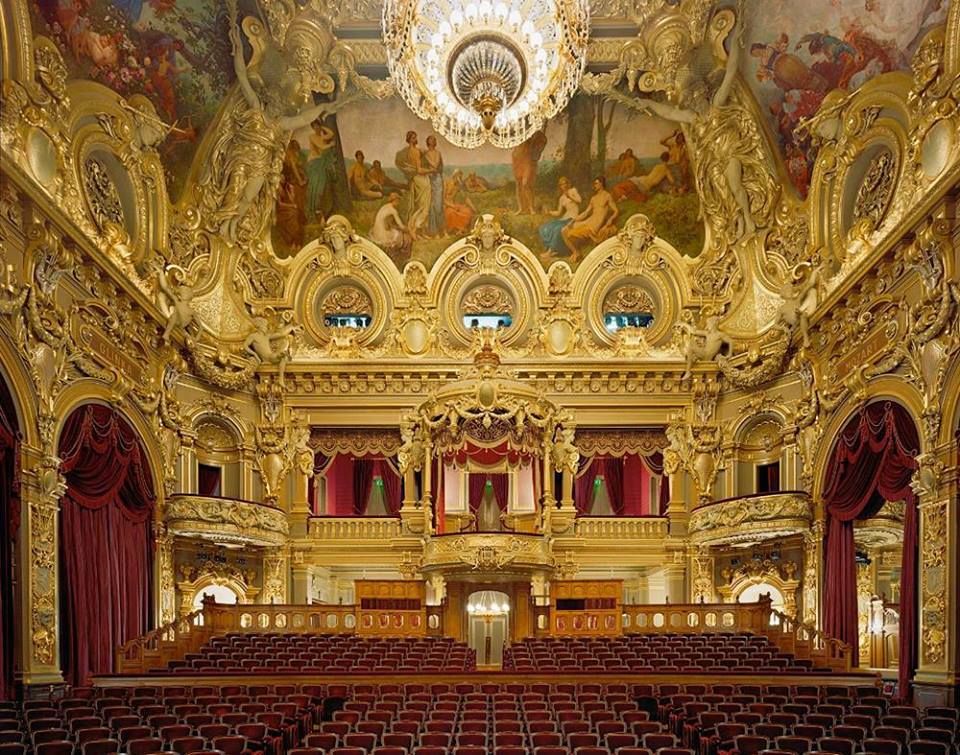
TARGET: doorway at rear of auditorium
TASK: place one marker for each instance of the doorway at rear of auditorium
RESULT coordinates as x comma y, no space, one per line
488,622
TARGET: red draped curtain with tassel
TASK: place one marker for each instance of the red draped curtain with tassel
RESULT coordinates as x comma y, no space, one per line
476,485
362,484
612,471
654,463
583,490
9,524
872,461
501,489
392,484
625,484
106,540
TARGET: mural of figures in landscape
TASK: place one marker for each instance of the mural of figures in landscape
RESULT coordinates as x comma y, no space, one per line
172,51
795,59
413,193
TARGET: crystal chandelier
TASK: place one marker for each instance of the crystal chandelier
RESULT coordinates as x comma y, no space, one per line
486,71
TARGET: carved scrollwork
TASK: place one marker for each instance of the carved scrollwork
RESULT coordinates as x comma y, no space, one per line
750,518
241,521
102,195
487,299
875,192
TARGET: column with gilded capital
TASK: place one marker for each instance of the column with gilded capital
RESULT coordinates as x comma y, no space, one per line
937,681
40,490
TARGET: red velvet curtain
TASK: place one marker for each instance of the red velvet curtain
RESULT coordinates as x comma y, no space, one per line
636,484
208,480
476,485
320,464
583,489
501,490
9,523
873,460
362,484
612,470
654,463
391,485
106,541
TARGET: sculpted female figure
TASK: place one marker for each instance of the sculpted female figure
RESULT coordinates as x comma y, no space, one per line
238,189
736,188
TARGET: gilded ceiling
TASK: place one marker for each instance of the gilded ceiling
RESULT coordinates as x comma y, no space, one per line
250,168
351,162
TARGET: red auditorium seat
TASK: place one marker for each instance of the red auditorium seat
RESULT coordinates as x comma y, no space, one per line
49,735
837,746
882,747
101,747
926,747
63,747
144,746
13,748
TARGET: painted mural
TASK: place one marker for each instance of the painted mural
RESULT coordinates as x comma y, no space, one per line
795,59
173,51
563,191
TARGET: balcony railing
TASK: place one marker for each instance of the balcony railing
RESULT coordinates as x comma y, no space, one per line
622,528
746,517
234,519
354,527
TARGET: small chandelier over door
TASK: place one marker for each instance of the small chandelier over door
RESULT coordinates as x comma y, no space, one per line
486,71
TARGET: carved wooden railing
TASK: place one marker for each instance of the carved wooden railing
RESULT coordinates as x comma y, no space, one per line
172,640
695,618
807,642
803,641
154,650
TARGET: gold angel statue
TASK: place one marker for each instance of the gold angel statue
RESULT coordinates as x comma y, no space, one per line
737,190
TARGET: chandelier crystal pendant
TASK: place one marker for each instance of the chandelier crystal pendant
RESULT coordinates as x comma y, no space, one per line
486,71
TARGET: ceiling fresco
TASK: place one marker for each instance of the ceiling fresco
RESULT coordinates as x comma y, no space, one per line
414,194
796,58
384,169
175,52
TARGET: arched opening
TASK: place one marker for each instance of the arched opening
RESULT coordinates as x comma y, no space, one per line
759,450
106,540
872,462
753,593
488,613
9,524
219,458
220,593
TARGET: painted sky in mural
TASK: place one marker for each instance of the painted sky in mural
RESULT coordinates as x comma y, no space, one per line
174,51
414,194
796,58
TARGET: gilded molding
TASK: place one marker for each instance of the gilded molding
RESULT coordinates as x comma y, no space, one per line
934,581
226,519
487,552
751,518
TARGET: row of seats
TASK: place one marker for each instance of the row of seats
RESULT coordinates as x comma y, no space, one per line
147,720
478,719
257,653
660,653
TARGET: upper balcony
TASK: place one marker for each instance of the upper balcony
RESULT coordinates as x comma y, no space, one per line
226,520
751,518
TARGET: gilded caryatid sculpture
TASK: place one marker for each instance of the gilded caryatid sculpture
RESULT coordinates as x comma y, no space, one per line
736,186
277,85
